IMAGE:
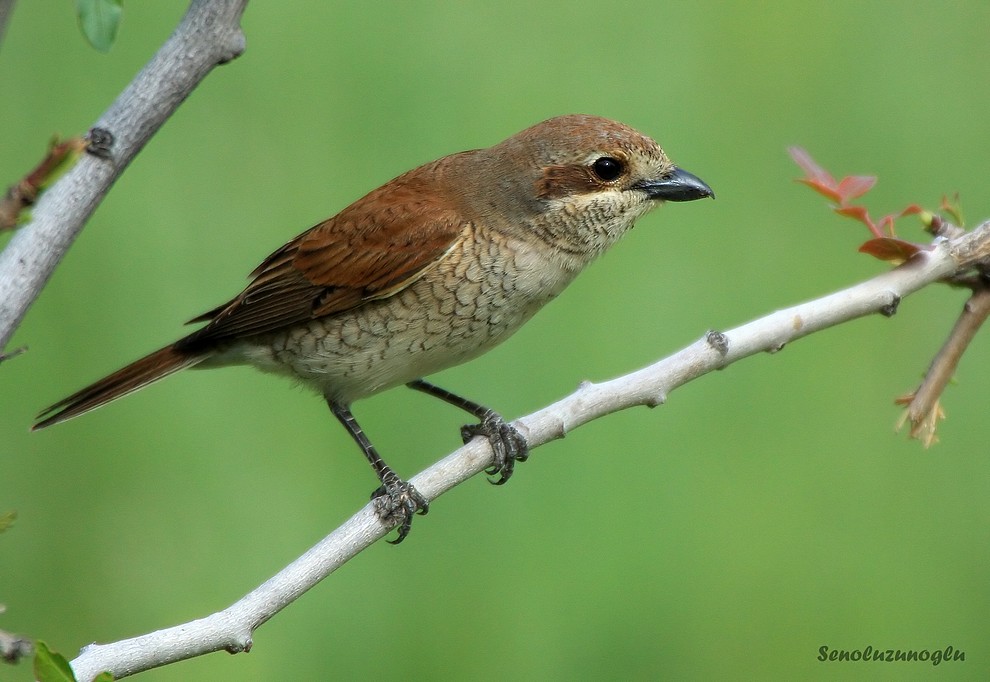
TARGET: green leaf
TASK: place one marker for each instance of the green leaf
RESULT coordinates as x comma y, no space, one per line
99,20
50,666
103,677
7,520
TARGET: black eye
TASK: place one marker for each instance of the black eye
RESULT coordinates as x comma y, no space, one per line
607,168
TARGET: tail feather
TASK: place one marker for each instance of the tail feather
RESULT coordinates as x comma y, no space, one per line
136,375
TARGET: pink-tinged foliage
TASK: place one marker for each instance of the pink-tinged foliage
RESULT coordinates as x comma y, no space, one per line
891,249
855,186
885,245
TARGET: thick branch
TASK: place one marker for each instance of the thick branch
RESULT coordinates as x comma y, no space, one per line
232,628
209,34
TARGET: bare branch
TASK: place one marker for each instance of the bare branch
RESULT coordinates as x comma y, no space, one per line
923,409
14,647
232,628
209,34
6,9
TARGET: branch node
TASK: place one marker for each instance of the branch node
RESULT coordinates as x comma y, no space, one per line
559,430
890,308
656,400
234,48
99,142
241,644
718,341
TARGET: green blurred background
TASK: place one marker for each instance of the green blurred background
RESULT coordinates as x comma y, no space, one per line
765,511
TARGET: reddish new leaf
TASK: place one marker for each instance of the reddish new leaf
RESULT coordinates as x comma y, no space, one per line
821,180
812,170
886,224
827,191
890,249
885,246
815,177
853,186
862,215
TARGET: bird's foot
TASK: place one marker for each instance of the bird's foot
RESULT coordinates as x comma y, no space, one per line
396,501
507,443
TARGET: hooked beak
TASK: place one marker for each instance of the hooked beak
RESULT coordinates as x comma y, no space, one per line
679,185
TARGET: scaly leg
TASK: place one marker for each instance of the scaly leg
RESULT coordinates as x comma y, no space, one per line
507,443
396,500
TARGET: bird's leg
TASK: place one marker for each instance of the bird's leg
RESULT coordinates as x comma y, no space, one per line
396,500
507,443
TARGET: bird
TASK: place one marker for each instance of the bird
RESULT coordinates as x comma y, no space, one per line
428,271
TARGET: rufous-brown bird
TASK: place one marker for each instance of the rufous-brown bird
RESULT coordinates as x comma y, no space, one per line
428,271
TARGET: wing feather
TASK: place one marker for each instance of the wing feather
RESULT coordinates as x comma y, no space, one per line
373,249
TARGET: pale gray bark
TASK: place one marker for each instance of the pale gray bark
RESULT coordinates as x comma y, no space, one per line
209,34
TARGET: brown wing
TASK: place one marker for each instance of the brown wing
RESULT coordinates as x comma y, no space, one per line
374,248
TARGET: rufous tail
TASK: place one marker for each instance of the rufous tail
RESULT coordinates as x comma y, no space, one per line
136,375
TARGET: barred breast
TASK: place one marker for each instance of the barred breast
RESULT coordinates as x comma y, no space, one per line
487,287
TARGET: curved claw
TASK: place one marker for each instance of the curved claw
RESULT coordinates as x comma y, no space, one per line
396,501
508,445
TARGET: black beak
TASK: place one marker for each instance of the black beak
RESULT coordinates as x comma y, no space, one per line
679,185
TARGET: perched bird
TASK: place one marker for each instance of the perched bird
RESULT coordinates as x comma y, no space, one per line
428,271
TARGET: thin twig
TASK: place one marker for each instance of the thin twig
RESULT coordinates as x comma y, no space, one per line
24,193
923,409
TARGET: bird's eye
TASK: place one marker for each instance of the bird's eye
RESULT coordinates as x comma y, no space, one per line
607,168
